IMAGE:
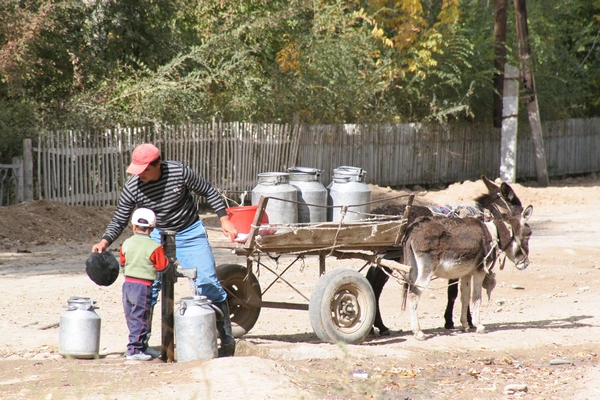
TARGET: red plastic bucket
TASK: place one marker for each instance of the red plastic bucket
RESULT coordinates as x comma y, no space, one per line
243,216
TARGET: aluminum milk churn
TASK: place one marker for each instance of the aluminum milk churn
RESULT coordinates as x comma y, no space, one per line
79,335
312,195
277,185
348,187
195,329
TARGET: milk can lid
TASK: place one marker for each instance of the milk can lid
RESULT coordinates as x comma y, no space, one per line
273,178
305,170
194,300
347,170
349,174
80,303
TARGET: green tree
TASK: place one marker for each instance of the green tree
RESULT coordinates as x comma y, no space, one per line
565,42
98,63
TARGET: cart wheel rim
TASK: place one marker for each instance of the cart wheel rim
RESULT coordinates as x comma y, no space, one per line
342,307
243,297
346,310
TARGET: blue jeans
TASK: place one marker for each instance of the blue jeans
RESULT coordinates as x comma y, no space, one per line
194,251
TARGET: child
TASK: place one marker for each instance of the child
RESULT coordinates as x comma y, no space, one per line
141,258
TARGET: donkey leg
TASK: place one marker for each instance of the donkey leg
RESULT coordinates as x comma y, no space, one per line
478,278
418,278
452,295
465,297
414,294
378,278
413,301
469,318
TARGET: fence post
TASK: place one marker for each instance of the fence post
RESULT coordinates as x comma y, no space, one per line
27,168
18,173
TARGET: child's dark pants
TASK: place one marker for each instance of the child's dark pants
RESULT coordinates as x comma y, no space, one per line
137,298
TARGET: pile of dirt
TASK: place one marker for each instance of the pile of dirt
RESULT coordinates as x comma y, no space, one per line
46,222
563,191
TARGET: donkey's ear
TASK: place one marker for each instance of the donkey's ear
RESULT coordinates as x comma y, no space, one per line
509,195
527,213
491,186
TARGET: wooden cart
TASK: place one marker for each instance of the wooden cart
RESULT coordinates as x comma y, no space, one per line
342,304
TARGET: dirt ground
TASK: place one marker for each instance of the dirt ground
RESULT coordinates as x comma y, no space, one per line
542,340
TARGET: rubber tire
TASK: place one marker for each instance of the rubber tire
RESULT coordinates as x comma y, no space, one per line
328,308
233,280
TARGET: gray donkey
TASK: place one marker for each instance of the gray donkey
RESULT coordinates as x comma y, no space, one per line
466,249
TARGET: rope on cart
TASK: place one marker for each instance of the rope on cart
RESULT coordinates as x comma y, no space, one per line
343,214
402,280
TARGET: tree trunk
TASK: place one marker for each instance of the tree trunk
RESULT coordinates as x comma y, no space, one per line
529,94
499,58
508,133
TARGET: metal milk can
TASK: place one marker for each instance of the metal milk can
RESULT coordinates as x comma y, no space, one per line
79,335
312,195
348,188
195,329
277,184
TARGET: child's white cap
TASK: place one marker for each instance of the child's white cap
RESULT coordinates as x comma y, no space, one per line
144,217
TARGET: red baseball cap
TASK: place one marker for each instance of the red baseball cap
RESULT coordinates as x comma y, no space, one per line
142,155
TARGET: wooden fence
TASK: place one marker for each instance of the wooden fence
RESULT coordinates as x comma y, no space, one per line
88,168
403,154
16,179
11,176
411,154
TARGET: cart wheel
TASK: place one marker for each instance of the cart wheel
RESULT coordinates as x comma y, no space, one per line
243,297
342,307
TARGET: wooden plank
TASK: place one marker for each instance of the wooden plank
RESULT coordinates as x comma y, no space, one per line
27,184
167,316
349,235
261,207
104,164
114,166
374,259
85,166
75,175
123,149
95,168
53,191
283,305
41,161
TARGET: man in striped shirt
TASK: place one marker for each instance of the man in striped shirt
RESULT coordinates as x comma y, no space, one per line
166,188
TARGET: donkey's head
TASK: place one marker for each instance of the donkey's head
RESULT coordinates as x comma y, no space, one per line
510,220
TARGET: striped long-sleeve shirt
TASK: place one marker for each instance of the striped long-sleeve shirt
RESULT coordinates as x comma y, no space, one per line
170,198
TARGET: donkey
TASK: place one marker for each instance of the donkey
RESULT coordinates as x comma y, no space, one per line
378,276
466,249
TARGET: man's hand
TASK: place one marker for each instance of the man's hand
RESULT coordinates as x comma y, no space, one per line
228,228
100,246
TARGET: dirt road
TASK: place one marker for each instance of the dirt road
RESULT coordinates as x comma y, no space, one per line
542,340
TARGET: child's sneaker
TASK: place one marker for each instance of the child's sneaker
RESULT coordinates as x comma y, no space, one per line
140,357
